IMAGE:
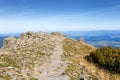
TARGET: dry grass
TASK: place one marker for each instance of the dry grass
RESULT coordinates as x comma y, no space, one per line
79,51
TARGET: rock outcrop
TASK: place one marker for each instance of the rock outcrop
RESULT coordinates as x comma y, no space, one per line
10,41
81,40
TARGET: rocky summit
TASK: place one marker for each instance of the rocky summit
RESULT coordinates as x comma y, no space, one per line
46,56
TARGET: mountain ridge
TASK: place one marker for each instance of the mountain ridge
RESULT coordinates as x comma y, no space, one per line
46,56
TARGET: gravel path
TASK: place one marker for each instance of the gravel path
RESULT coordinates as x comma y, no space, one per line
54,69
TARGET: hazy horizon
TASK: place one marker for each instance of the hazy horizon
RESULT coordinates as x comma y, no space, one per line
59,15
80,31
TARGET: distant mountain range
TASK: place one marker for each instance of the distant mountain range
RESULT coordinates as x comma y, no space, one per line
93,33
1,41
96,38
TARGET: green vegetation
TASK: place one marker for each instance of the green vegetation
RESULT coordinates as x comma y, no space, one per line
107,58
6,77
33,79
6,60
73,78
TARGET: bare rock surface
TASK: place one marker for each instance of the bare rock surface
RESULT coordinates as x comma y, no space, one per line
35,56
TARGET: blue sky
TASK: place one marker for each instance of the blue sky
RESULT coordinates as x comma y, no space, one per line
59,15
